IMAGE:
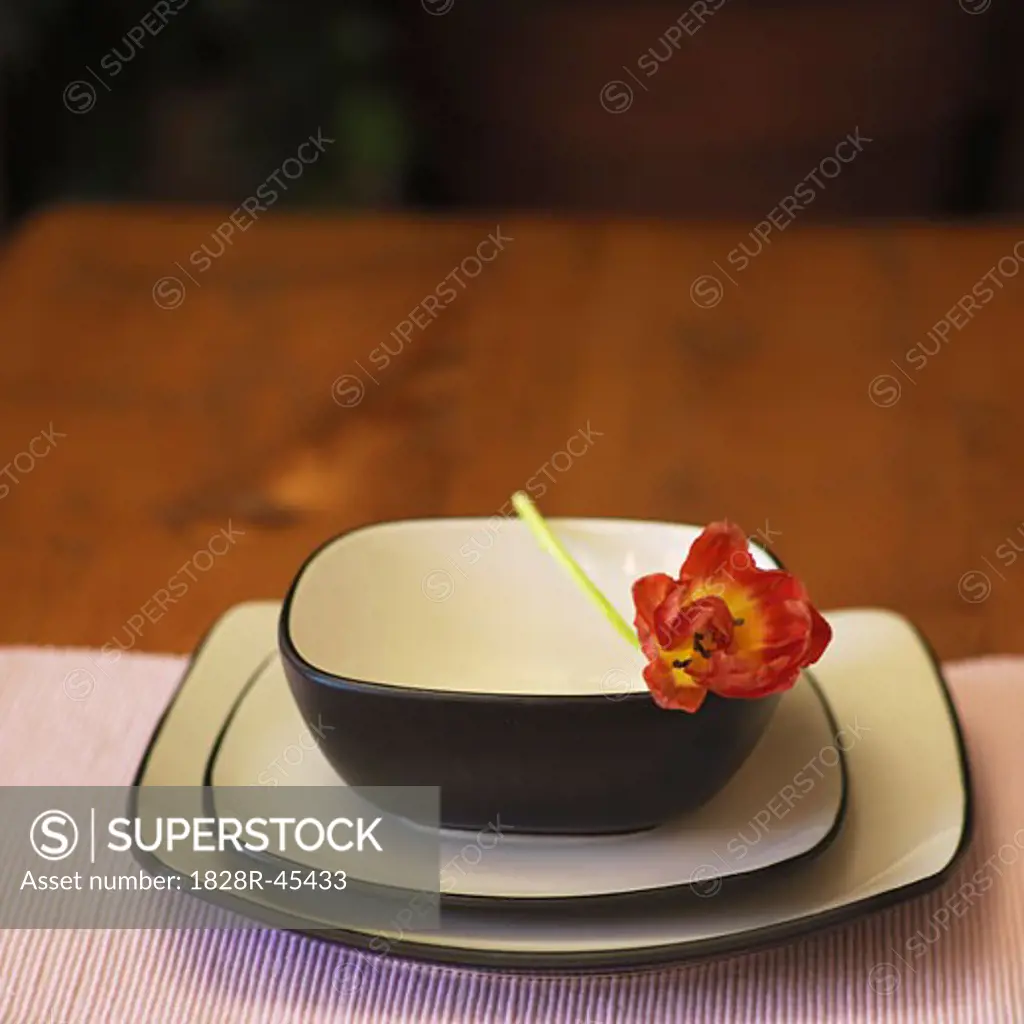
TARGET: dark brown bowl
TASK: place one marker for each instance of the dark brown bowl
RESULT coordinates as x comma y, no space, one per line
494,679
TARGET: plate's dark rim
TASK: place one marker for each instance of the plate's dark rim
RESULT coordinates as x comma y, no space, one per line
321,677
595,899
634,960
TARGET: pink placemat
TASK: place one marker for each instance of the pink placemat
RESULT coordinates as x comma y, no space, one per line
955,956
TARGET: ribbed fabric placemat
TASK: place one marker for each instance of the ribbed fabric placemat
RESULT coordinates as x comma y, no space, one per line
940,958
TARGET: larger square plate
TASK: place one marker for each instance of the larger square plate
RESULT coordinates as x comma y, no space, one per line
907,822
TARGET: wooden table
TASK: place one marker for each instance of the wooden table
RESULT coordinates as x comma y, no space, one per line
239,405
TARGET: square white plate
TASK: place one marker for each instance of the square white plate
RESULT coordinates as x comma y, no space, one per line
744,828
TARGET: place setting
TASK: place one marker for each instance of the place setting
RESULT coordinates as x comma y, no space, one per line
649,745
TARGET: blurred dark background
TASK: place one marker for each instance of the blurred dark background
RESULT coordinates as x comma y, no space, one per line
444,104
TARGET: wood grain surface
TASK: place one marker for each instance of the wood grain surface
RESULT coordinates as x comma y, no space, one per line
809,401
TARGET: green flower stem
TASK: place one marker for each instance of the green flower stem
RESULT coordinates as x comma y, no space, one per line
549,542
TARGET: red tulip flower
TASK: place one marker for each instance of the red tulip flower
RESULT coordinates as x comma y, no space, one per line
724,626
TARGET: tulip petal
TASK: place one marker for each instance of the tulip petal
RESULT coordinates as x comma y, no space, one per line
679,623
649,592
721,550
666,691
821,636
743,680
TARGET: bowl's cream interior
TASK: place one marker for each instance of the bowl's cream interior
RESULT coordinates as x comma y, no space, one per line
474,605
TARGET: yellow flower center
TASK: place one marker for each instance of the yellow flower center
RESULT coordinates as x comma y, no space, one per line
741,633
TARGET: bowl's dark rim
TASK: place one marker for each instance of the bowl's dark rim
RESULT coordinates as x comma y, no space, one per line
633,961
321,677
591,899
